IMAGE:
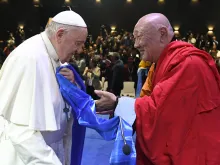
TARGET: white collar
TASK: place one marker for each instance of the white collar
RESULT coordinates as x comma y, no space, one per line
51,51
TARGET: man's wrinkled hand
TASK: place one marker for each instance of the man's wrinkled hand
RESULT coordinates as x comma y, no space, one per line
68,74
106,103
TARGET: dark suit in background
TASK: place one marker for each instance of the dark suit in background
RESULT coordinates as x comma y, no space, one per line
117,83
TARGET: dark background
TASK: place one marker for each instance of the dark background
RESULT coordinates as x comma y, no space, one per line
195,17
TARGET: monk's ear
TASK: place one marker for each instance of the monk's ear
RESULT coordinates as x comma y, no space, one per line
163,34
59,35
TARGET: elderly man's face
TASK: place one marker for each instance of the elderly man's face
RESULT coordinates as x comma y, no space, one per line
147,42
71,42
150,39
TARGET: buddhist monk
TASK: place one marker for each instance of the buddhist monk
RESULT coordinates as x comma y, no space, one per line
179,122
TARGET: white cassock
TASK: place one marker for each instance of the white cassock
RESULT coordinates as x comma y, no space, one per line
33,127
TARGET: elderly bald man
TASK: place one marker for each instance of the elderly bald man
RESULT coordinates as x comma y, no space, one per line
178,124
33,125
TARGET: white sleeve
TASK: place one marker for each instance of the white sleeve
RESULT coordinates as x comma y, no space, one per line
125,109
30,146
67,140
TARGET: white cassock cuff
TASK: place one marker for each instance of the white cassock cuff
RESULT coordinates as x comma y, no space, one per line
125,109
30,146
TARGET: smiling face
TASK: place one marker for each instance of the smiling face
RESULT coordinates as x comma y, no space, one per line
144,43
70,42
151,35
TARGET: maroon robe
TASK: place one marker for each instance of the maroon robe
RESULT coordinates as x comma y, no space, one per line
179,123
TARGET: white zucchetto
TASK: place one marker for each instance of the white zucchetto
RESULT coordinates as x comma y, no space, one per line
69,18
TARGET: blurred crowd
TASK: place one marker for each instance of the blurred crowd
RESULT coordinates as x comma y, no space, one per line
206,42
111,56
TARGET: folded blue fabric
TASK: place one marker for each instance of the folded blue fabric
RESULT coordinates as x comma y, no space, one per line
83,110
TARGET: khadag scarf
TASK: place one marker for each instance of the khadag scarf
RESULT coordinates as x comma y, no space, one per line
84,113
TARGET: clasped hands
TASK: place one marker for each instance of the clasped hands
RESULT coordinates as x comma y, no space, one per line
106,103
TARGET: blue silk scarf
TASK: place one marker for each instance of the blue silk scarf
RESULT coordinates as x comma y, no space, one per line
83,110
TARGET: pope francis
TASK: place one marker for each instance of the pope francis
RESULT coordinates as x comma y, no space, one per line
34,130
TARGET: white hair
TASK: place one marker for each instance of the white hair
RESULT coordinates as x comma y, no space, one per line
53,27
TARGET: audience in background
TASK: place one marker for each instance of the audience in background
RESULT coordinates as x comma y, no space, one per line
92,78
112,56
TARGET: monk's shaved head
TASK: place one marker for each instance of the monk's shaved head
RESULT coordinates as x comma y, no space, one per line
152,33
155,21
